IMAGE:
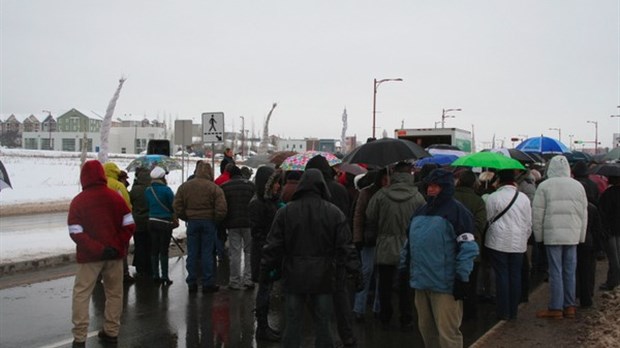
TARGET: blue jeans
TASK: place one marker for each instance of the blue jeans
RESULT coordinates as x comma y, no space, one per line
368,268
562,267
201,235
322,312
507,267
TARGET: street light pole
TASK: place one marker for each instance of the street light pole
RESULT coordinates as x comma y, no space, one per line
559,133
242,134
374,100
595,135
444,116
617,141
570,139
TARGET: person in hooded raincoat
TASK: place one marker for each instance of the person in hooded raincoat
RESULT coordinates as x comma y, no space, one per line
308,241
101,225
560,220
140,212
439,255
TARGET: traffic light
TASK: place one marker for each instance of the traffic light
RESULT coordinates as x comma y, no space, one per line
578,141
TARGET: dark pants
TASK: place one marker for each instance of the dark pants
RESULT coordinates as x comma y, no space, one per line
142,249
160,234
342,306
586,269
525,278
321,307
470,304
262,304
405,294
507,267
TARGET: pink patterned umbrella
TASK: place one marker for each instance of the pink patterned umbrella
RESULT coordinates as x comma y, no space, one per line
299,161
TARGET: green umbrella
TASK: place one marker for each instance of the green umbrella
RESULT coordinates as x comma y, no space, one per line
488,160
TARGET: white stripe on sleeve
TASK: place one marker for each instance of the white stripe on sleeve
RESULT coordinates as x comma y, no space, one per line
128,220
76,229
465,237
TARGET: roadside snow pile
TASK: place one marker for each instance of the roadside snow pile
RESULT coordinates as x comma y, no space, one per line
602,326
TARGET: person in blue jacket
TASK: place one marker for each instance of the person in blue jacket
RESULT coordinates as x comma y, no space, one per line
439,256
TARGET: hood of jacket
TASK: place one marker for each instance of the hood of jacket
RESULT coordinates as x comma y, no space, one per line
111,170
260,180
319,162
203,170
92,174
401,187
143,177
312,182
558,167
580,170
445,179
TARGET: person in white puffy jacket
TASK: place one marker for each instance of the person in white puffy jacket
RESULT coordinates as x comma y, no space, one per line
559,220
506,240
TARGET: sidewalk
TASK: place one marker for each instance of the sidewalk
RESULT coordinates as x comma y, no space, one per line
529,331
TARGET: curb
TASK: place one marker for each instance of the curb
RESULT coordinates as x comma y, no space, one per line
20,267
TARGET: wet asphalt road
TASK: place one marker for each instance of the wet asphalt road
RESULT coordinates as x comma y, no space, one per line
39,315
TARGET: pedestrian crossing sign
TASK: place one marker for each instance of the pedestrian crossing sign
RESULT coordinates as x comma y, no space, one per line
213,127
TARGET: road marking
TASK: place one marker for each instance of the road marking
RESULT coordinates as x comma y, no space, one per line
68,341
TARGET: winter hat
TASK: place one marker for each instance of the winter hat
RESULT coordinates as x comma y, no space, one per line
580,169
234,171
158,173
506,176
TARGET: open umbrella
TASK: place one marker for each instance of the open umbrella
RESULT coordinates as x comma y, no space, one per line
150,161
576,156
607,169
514,154
441,160
299,161
488,160
543,145
279,156
4,178
386,151
613,155
444,151
351,168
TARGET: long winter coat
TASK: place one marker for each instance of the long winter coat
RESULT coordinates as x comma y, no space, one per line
308,240
391,209
440,245
609,207
139,204
238,192
98,217
510,232
200,198
111,172
560,208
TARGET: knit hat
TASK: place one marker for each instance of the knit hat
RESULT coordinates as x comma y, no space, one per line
158,173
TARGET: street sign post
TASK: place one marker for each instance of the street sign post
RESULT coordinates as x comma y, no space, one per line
213,132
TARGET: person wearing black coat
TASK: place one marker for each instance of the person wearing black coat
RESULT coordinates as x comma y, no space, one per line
262,209
580,173
609,206
140,212
586,258
238,191
309,239
342,299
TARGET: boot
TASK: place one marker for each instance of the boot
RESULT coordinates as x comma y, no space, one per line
266,333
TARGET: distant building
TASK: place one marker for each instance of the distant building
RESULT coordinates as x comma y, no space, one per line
297,145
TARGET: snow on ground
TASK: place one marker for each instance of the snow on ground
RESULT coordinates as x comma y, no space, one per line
45,176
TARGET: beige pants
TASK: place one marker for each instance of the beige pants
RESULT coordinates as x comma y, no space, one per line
85,281
439,319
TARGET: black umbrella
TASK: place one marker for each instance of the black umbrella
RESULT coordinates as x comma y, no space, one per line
607,169
385,151
4,178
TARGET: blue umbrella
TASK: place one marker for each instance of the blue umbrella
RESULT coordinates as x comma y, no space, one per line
441,160
543,145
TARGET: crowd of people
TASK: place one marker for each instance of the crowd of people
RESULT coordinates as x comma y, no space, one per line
441,239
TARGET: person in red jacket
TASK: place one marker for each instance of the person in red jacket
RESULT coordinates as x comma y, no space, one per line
100,224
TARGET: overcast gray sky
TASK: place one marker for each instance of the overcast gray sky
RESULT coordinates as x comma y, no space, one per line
514,67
